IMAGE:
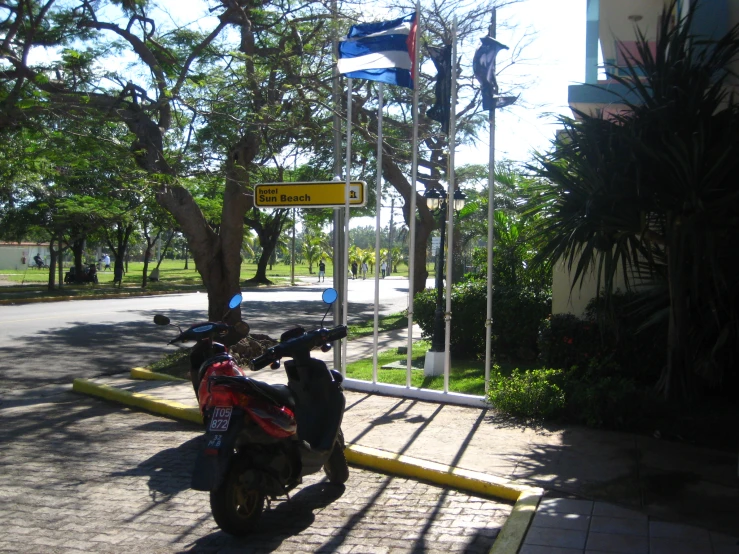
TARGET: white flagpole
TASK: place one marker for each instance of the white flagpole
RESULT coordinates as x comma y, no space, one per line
491,234
346,213
377,229
450,212
412,212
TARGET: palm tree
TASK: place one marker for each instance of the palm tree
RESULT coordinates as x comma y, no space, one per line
651,193
399,256
312,251
248,245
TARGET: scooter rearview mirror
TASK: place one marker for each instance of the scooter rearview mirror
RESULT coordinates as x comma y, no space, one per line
330,295
235,301
160,319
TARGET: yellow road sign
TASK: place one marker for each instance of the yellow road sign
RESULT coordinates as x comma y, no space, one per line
326,194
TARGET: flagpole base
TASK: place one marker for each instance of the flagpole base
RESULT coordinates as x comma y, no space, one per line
433,363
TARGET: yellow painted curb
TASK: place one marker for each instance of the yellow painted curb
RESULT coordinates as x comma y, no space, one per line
511,537
454,477
146,374
139,400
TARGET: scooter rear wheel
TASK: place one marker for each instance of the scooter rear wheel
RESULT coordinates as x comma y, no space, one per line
236,509
335,467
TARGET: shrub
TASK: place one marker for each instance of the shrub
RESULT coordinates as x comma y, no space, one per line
639,351
516,317
532,394
565,340
600,396
611,332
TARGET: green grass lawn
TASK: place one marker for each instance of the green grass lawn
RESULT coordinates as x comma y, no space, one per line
172,271
466,376
388,323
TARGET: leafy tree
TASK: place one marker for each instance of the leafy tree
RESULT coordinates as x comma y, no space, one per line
158,97
154,223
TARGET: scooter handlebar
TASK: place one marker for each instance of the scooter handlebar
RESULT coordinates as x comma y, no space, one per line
299,345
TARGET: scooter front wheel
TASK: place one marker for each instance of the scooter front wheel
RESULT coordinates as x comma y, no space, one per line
335,467
236,509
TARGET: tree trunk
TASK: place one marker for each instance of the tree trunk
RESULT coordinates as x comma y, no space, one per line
269,233
424,222
52,264
261,274
119,251
78,246
147,257
61,262
164,250
217,257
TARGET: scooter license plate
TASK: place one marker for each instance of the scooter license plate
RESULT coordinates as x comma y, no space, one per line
221,418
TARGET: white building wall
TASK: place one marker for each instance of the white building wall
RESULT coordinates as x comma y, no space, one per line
566,301
19,257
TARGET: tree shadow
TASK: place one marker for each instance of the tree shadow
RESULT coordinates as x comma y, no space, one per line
168,471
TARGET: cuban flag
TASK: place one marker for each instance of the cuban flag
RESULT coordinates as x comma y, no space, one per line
382,51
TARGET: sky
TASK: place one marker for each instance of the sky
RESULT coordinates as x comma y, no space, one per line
556,59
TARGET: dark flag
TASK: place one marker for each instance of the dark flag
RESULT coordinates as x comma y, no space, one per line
441,110
483,66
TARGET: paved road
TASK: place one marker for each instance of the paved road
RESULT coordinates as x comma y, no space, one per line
54,342
82,476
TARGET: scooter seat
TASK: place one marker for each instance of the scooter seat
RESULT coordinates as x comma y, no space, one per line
279,394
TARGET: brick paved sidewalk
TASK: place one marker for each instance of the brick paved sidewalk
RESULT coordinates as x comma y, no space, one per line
86,476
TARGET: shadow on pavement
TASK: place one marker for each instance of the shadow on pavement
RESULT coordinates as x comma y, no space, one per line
285,519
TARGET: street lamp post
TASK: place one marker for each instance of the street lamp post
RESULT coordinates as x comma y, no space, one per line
436,200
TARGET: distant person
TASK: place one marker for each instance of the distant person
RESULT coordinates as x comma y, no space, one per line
354,270
106,262
154,276
39,262
321,271
383,269
365,269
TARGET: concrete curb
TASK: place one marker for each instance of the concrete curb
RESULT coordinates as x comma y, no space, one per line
148,375
138,400
440,474
511,535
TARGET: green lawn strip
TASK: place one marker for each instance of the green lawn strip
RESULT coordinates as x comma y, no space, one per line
175,363
466,376
393,321
173,271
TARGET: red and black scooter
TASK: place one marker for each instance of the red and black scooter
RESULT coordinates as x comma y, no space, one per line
261,439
